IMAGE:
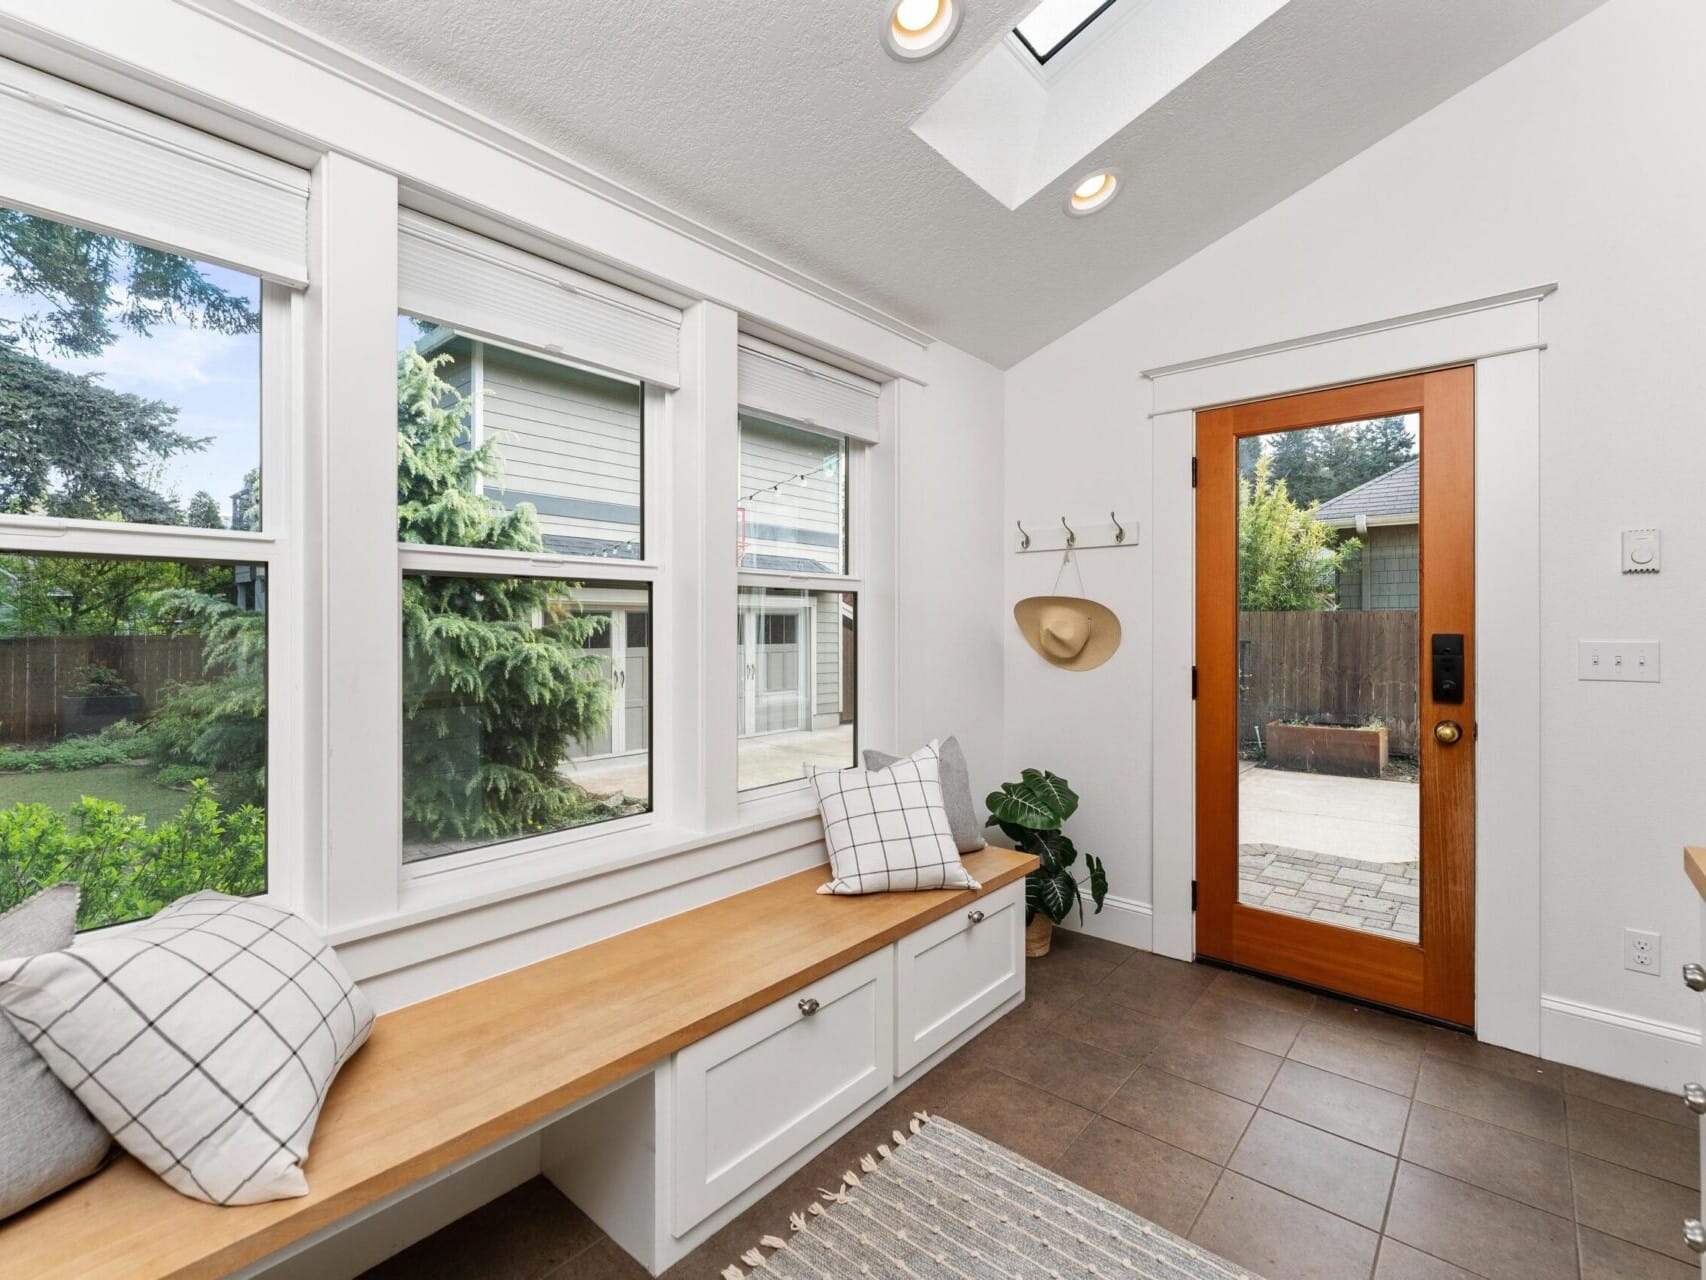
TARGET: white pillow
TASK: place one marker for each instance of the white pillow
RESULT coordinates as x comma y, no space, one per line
204,1039
888,828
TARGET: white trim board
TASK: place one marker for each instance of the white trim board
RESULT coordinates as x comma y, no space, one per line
1123,920
1502,337
1660,1055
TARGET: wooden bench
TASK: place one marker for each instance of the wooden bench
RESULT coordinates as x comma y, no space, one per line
453,1076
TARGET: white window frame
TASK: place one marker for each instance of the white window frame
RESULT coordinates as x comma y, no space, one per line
273,547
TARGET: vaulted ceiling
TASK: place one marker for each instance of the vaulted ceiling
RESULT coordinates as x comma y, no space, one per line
786,126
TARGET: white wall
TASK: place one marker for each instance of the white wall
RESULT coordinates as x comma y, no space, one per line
948,515
1563,166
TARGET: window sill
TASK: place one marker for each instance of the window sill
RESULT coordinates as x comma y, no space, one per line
470,888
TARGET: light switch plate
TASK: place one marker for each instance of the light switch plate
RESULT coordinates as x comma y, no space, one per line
1636,660
1640,551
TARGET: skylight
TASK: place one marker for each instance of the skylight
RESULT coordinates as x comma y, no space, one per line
1048,28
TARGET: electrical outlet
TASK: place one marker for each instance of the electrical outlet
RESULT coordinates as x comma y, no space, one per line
1641,951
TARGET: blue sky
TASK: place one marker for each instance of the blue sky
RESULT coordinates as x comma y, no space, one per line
213,379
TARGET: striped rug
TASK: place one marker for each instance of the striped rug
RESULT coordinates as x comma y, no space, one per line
945,1204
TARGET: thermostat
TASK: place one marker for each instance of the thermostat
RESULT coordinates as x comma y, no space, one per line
1640,551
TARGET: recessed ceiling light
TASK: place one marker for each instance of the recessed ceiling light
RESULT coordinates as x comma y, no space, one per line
1093,191
918,28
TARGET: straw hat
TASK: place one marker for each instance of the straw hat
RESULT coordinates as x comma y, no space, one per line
1069,631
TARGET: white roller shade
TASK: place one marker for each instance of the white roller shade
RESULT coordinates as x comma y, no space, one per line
480,287
75,156
782,384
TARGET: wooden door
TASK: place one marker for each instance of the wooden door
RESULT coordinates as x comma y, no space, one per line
1314,651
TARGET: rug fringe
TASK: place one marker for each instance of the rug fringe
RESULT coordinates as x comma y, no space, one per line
798,1221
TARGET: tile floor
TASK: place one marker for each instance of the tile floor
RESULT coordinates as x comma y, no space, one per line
1298,1135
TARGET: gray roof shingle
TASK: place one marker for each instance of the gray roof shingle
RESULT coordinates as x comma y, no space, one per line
1387,498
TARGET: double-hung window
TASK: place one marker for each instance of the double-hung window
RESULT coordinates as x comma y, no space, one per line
526,396
803,428
147,279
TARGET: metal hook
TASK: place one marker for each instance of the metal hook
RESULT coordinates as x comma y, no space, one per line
1071,537
1119,529
1024,538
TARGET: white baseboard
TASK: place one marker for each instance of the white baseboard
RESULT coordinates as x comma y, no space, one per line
1661,1055
1123,920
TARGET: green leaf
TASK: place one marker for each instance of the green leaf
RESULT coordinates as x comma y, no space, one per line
1098,880
1055,894
1013,805
1054,792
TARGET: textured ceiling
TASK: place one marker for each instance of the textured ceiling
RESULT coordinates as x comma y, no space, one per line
785,125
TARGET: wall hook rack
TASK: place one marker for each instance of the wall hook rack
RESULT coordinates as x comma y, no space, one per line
1061,533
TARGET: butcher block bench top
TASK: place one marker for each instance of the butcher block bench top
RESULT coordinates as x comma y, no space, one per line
441,1080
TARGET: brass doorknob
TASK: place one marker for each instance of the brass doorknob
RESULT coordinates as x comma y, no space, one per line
1447,732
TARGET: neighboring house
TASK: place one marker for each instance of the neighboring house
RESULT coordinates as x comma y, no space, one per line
1384,514
569,442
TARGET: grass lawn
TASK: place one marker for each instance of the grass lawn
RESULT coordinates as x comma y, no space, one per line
131,785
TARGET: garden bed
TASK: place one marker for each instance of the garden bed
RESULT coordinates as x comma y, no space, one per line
1357,751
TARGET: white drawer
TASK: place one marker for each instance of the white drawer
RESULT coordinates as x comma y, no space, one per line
951,973
757,1092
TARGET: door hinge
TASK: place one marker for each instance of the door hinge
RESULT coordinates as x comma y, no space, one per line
1193,473
1193,895
1193,684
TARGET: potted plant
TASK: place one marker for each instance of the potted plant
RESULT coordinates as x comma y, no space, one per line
1030,813
97,698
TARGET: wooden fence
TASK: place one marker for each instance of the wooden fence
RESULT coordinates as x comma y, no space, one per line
1344,667
37,671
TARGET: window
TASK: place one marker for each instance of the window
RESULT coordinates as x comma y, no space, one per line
132,381
1053,24
526,708
535,433
527,669
133,656
793,499
798,683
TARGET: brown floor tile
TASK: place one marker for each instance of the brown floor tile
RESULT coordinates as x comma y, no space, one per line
1277,1235
1274,995
1374,1117
1467,1051
1608,1258
1072,942
1162,1183
1635,1141
1472,1228
1495,1159
1199,1120
524,1234
1360,1019
1113,1027
1051,993
1327,1171
1067,1068
1398,1261
1222,1065
1633,1206
606,1261
1631,1097
1251,1024
1075,958
1536,1110
941,1084
1156,986
1382,1063
1036,1124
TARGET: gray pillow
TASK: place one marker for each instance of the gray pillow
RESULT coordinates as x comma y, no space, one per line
956,792
47,1140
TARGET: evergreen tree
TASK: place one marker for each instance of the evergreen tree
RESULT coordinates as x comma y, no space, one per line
203,512
1287,559
246,503
497,683
1320,463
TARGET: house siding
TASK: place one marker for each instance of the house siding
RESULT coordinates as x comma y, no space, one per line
797,524
1387,572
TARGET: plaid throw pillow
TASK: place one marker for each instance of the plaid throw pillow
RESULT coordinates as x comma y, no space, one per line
888,829
204,1039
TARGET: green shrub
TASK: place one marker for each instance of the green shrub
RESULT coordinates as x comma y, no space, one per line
116,744
126,870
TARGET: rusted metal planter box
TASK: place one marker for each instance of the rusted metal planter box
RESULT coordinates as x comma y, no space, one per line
1358,751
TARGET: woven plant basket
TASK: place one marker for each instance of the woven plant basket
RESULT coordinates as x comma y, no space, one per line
1039,935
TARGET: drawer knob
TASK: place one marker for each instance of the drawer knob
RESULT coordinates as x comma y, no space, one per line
1694,976
975,916
809,1005
1694,1095
1694,1232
